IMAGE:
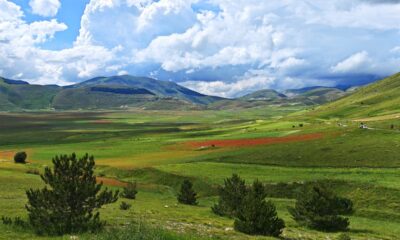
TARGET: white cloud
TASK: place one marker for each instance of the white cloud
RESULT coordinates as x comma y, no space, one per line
353,64
395,50
233,46
9,11
45,8
21,55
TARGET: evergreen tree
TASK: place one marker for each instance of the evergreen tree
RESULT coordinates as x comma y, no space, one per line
320,209
257,216
231,196
187,195
69,201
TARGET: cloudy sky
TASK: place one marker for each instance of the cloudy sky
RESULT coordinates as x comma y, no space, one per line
218,47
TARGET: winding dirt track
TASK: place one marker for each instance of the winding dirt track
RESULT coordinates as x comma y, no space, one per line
255,141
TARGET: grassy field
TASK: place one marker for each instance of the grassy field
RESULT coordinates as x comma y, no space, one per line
159,149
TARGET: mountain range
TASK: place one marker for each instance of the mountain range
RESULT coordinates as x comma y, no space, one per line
142,92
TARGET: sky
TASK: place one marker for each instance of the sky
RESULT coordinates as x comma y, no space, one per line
219,47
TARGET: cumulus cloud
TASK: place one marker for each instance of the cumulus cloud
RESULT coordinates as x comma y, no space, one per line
22,57
356,62
45,8
219,47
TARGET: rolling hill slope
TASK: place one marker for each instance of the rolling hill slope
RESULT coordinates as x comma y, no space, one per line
299,97
18,95
379,98
100,93
159,88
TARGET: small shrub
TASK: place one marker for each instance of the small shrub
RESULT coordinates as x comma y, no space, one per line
231,196
125,206
257,216
301,125
130,191
320,209
343,236
187,195
20,157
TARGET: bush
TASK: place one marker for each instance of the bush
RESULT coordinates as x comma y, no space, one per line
125,206
187,195
70,200
257,216
231,196
319,209
130,191
20,157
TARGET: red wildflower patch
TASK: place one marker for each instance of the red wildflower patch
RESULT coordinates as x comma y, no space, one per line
111,182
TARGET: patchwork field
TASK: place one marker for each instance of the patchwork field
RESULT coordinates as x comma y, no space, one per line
282,147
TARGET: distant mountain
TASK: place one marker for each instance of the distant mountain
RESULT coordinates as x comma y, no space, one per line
378,98
266,94
159,88
100,93
315,95
300,97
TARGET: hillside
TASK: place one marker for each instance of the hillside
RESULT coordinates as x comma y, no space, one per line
317,95
18,95
379,98
159,88
100,93
293,97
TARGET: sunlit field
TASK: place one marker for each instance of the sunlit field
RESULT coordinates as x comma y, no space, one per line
282,147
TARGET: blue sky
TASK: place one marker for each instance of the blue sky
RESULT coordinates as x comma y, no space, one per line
219,47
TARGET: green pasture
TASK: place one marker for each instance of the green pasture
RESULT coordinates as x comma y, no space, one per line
151,147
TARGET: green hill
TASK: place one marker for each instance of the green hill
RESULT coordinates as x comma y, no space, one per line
294,97
159,88
376,99
317,95
18,95
100,93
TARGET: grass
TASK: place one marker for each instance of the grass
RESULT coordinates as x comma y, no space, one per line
150,147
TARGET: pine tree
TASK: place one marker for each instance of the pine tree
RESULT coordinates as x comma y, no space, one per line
187,195
320,209
257,216
231,196
70,200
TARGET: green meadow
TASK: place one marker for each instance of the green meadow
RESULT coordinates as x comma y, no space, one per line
159,149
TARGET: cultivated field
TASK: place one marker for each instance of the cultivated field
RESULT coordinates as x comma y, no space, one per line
282,147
